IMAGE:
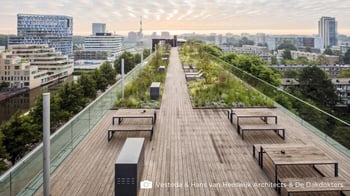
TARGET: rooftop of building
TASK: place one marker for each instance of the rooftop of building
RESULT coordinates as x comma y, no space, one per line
194,146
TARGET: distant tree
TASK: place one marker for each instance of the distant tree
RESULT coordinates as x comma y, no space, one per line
72,97
302,61
287,54
274,60
346,58
287,45
213,50
88,84
345,73
315,85
328,51
58,115
322,60
308,49
101,81
108,72
245,41
137,58
129,62
230,57
3,154
263,44
4,84
146,52
290,73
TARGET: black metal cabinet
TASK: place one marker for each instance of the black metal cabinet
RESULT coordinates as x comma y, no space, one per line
129,167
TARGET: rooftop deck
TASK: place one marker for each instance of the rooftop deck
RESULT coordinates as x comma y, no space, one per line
195,147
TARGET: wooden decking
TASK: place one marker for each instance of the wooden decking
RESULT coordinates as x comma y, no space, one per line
198,148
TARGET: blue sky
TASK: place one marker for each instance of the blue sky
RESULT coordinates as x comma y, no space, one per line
269,16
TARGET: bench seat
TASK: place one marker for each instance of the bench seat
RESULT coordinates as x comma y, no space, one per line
262,127
314,184
115,128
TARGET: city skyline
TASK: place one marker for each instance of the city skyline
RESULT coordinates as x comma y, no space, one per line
251,16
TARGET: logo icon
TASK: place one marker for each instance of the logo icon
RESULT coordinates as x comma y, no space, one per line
146,184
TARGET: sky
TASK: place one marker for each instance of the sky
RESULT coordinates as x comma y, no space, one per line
236,16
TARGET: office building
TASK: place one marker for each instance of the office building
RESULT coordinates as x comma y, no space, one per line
53,30
104,42
260,39
327,30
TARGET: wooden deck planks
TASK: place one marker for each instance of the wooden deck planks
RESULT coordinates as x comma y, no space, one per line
187,147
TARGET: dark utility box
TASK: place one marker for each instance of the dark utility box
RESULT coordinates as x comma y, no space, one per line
129,167
154,90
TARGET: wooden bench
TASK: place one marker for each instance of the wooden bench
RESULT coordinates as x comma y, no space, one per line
119,127
314,185
262,127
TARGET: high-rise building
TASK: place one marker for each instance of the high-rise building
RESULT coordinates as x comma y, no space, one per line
132,36
260,38
98,28
327,30
54,30
101,45
104,42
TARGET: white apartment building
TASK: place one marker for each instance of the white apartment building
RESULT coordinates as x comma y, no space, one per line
112,44
33,65
262,52
332,59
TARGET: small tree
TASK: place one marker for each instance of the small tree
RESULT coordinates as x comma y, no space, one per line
328,51
315,85
287,45
129,62
347,57
88,84
108,72
287,55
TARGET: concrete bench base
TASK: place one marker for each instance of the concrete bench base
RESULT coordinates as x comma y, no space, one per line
262,127
116,128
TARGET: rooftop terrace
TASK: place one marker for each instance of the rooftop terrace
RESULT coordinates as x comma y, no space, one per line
195,147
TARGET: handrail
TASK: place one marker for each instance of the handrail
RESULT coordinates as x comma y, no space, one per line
6,179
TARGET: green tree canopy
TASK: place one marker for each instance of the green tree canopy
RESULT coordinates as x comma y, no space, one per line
328,51
346,58
3,154
287,45
245,41
322,60
137,58
308,49
129,62
290,73
287,54
146,52
108,72
88,84
72,97
315,85
100,80
213,50
21,133
345,73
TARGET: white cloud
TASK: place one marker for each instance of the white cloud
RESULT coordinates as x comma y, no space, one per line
124,14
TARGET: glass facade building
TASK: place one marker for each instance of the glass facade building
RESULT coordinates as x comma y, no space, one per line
54,30
327,30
